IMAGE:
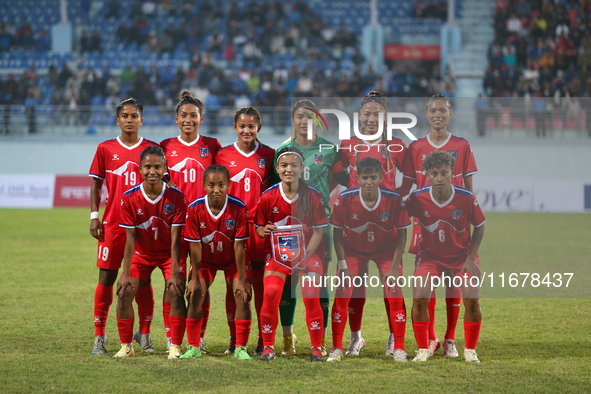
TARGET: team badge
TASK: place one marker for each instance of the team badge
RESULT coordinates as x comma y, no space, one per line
262,163
230,224
288,245
318,158
456,214
454,153
167,209
384,216
204,152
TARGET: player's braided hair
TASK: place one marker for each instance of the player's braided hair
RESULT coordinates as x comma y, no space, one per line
216,168
369,165
303,198
439,97
248,111
376,97
187,98
438,158
130,101
296,106
152,150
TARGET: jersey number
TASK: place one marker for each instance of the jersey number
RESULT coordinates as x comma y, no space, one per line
190,175
246,184
130,178
103,253
220,247
155,233
370,236
441,236
306,173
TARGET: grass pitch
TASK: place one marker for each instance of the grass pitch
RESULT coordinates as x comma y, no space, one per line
48,277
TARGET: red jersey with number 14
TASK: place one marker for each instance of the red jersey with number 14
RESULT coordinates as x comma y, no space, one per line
217,232
445,228
153,219
188,161
250,173
118,165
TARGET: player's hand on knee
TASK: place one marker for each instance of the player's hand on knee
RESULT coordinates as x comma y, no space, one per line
194,290
390,279
177,284
123,283
243,288
471,267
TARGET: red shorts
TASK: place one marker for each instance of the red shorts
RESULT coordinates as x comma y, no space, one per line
255,245
111,250
415,240
142,268
428,266
315,265
356,263
208,271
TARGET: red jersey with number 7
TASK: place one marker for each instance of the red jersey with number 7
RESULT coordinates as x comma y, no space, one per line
445,228
118,165
153,219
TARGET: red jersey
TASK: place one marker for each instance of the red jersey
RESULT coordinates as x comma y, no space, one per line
396,150
187,162
153,219
250,173
369,231
119,166
217,233
445,228
419,149
275,208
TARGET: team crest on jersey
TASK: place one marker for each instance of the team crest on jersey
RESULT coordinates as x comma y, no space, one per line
262,163
318,158
384,216
204,152
230,224
456,214
454,153
167,209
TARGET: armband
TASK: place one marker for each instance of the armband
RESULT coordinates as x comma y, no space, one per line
342,264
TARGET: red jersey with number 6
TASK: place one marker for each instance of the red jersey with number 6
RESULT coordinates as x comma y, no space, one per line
445,228
217,233
153,219
188,161
118,165
249,172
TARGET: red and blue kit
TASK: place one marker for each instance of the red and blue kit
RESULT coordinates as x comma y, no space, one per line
445,228
153,221
118,165
391,158
217,234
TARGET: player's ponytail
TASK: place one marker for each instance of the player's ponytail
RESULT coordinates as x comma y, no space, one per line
303,197
187,98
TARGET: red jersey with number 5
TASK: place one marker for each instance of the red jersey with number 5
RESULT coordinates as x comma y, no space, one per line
188,161
250,173
153,219
118,165
217,233
458,147
445,228
369,231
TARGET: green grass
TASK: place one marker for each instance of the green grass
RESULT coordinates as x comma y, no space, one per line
48,277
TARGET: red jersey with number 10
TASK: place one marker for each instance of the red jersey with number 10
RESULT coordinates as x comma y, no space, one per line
445,228
119,166
153,219
188,161
217,233
250,173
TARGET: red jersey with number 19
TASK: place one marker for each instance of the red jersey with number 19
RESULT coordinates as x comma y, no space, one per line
188,161
153,219
445,228
369,231
217,233
118,165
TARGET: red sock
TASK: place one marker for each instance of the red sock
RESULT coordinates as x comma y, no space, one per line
432,303
205,309
471,334
193,331
270,309
314,314
258,289
355,309
230,309
165,316
397,320
339,320
177,328
452,302
388,315
421,330
145,307
103,298
242,331
125,327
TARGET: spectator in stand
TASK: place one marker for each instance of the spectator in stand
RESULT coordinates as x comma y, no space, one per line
43,43
418,9
84,42
95,42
